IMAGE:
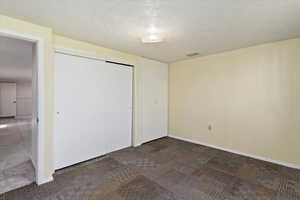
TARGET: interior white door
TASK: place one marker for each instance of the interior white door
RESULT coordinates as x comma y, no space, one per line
154,83
8,99
93,103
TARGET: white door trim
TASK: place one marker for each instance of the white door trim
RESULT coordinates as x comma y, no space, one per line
88,54
39,169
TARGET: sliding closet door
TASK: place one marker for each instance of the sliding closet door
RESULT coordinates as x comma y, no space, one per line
93,104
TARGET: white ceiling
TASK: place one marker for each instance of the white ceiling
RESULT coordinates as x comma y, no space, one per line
204,26
15,60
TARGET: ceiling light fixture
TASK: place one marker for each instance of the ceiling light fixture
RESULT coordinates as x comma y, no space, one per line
152,38
152,35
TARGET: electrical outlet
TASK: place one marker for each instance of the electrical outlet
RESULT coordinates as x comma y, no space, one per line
210,127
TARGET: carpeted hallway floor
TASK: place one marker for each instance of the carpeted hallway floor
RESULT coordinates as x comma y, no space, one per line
16,169
168,169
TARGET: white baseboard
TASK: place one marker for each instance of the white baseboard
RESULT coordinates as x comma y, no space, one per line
45,180
136,145
40,181
239,153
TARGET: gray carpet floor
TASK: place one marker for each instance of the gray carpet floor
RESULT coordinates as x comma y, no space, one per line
168,169
16,169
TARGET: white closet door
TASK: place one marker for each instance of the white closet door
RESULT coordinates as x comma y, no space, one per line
93,103
7,99
154,99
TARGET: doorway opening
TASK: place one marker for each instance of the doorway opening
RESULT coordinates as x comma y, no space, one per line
19,141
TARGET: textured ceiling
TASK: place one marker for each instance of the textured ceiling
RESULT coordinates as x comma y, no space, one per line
204,26
15,60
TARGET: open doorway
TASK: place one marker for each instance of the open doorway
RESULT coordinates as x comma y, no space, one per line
17,113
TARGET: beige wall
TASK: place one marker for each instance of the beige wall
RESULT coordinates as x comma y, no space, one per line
251,97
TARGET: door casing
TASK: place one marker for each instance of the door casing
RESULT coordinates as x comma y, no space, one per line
38,123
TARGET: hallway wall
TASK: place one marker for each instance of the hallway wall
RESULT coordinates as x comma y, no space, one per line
24,99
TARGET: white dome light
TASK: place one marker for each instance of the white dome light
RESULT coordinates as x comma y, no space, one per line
153,35
152,38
